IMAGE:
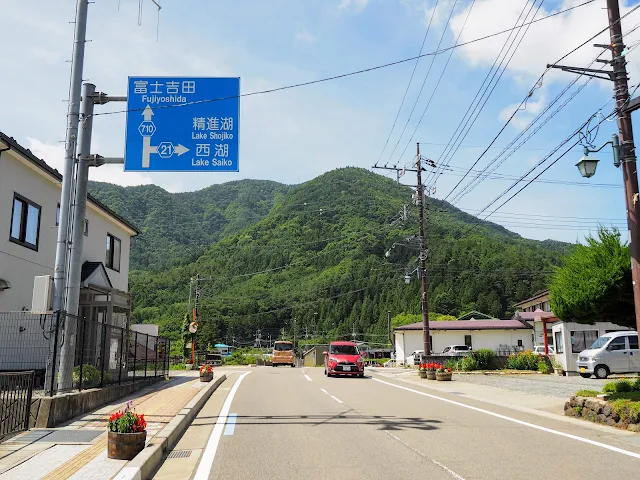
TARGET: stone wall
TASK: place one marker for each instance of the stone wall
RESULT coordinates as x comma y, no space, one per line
598,410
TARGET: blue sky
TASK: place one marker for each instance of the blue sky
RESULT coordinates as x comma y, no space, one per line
295,135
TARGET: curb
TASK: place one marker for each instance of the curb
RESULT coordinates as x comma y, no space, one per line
145,463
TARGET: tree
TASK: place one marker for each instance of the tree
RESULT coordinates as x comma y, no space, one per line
595,282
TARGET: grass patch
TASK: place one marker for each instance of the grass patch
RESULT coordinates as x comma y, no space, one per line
628,410
587,393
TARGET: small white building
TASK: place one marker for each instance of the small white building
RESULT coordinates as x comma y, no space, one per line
477,334
570,338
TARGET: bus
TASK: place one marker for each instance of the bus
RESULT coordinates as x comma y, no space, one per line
283,354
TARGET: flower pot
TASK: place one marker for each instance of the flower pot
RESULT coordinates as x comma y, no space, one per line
422,373
125,446
431,375
443,376
206,377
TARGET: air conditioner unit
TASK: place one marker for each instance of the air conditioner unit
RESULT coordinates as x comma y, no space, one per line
42,299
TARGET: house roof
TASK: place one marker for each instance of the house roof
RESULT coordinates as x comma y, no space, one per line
470,325
474,314
533,315
28,154
91,268
537,295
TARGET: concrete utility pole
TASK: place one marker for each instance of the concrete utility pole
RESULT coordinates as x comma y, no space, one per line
73,113
67,352
423,257
196,304
626,149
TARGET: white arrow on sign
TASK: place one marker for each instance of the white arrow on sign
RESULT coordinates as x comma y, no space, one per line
147,113
180,149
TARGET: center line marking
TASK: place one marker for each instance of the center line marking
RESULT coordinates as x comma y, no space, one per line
209,454
335,398
231,424
519,422
307,377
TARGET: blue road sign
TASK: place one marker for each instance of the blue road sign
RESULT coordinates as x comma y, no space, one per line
182,124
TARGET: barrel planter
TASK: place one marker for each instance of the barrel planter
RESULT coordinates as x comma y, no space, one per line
206,377
431,375
443,376
422,373
125,446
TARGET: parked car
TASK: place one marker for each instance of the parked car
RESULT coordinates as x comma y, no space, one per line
456,349
539,350
414,358
615,352
343,358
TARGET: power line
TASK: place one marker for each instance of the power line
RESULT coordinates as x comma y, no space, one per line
356,72
537,84
415,66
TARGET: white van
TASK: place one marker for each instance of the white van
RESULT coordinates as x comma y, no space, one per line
615,352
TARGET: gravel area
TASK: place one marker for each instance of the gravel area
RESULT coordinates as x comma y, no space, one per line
547,385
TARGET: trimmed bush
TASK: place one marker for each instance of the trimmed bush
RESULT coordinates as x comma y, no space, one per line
452,364
636,385
543,367
621,386
90,374
485,359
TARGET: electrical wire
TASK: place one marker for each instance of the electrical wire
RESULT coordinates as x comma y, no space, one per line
356,72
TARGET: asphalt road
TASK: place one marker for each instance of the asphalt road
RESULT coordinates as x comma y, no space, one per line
296,423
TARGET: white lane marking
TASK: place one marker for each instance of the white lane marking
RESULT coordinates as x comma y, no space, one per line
307,377
444,467
519,422
231,424
335,398
206,462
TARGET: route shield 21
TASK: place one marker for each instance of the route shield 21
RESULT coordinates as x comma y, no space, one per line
177,124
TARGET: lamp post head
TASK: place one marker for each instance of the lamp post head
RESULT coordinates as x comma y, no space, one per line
407,278
587,166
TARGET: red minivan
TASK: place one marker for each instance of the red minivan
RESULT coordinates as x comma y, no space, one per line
343,358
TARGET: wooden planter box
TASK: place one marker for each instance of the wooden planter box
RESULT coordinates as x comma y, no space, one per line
206,377
443,376
431,375
423,374
125,446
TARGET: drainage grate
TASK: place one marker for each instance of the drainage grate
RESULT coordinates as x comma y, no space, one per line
179,454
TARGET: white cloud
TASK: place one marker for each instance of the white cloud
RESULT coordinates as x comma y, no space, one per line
544,42
303,35
525,114
357,5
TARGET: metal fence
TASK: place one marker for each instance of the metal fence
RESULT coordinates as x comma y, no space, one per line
15,402
103,354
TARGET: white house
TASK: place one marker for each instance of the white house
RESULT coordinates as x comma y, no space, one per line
29,210
477,334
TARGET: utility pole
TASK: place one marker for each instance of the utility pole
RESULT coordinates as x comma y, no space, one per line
196,304
389,325
626,150
68,350
423,256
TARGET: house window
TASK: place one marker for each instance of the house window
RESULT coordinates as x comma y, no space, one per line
581,340
520,344
86,227
25,222
113,252
559,343
467,340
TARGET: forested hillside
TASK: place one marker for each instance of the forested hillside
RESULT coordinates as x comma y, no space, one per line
321,247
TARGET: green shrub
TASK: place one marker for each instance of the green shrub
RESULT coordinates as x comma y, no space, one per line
178,366
468,364
485,358
90,374
587,393
523,361
543,367
452,364
628,410
621,386
636,385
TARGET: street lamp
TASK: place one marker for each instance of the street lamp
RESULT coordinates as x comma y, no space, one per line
587,165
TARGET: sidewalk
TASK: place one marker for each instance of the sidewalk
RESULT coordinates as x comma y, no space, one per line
78,450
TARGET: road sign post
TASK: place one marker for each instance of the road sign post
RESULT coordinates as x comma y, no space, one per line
182,124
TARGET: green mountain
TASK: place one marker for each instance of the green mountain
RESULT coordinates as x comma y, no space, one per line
336,246
179,227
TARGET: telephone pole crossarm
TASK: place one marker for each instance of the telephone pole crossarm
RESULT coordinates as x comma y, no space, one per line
587,72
